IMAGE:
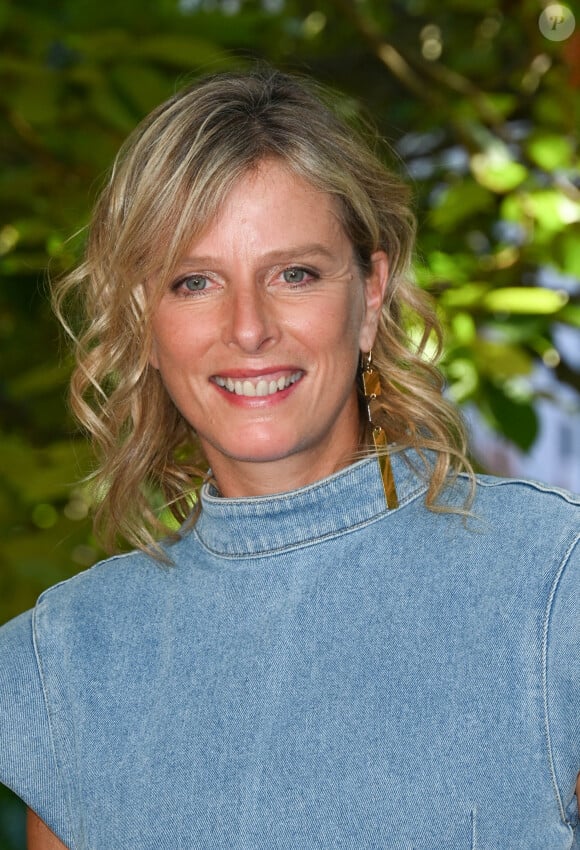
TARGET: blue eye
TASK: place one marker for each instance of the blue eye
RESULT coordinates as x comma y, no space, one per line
294,275
195,283
191,283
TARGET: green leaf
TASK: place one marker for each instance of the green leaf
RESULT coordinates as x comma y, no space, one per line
454,267
458,203
568,250
552,209
463,328
570,314
501,361
525,300
513,208
465,295
463,379
550,151
503,102
497,173
517,420
549,208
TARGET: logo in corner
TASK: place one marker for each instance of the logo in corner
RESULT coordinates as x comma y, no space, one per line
557,22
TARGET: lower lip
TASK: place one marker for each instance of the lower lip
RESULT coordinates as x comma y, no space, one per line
257,401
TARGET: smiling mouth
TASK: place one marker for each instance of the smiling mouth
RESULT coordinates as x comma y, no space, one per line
257,386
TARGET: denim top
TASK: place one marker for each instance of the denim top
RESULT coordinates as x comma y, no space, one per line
314,671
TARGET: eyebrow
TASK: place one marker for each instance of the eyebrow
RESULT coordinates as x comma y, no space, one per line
276,255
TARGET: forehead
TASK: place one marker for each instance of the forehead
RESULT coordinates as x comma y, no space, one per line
270,203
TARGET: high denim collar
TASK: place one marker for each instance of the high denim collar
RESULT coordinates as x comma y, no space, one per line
261,525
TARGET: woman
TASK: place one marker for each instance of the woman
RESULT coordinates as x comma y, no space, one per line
330,652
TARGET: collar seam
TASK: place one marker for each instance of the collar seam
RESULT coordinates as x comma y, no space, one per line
311,541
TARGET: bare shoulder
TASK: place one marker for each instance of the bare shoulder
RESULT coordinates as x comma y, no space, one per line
39,836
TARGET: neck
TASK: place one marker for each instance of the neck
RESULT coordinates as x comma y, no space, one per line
240,479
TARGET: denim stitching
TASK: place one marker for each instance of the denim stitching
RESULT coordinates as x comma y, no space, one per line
48,707
302,544
473,818
571,498
546,629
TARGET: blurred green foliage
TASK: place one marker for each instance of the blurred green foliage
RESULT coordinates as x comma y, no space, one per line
482,112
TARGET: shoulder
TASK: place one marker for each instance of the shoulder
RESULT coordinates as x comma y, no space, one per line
27,758
92,636
114,593
17,645
525,489
530,508
19,676
516,537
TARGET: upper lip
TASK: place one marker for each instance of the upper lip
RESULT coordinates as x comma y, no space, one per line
265,372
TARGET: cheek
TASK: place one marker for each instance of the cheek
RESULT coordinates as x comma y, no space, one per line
328,330
165,353
335,333
343,316
352,327
175,344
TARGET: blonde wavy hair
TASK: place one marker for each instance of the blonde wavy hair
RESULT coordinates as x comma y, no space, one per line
167,184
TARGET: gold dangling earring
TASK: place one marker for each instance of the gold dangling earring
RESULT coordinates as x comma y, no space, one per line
372,389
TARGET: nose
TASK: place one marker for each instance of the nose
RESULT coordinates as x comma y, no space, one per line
250,323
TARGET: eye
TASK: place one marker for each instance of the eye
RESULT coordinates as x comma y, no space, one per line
191,283
295,275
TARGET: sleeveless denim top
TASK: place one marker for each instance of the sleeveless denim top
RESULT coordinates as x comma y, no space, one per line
314,671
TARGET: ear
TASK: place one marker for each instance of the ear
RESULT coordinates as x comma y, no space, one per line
375,288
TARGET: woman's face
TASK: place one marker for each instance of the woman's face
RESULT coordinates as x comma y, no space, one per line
257,338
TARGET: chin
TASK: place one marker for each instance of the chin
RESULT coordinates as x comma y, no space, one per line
262,454
258,447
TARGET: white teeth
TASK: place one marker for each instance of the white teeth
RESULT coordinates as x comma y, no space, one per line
262,387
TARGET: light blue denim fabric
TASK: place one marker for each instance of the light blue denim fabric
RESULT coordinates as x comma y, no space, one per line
314,672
